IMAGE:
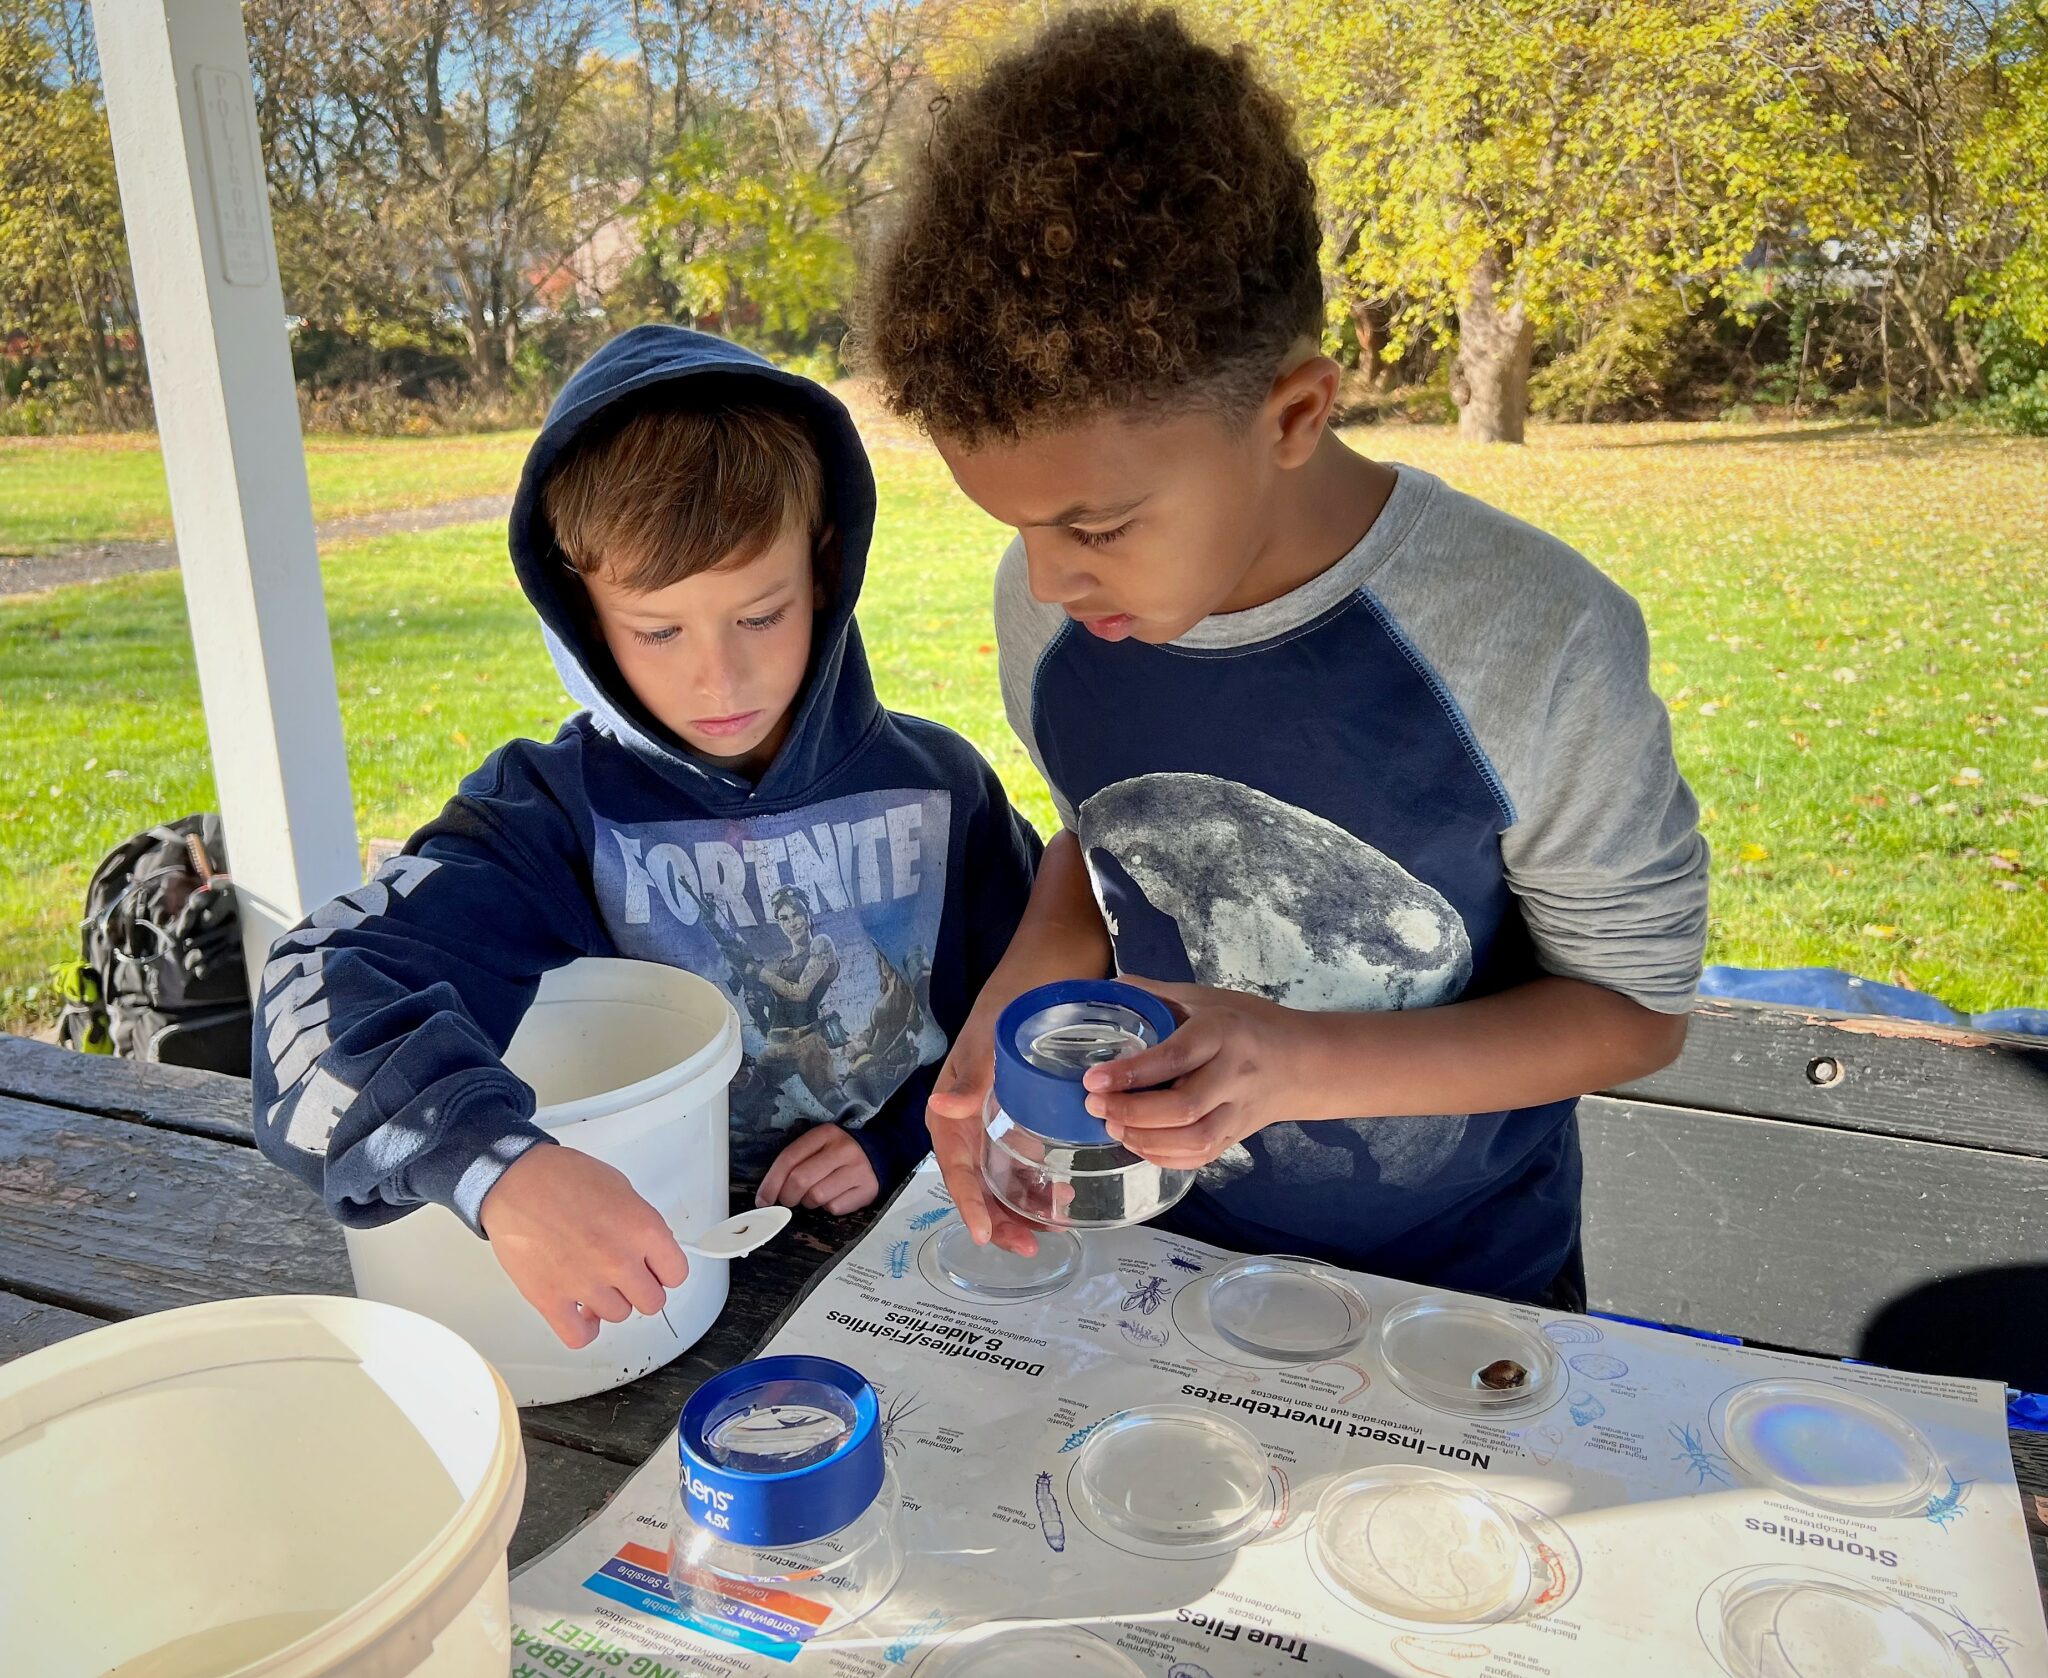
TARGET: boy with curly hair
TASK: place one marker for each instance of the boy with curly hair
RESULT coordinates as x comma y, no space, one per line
1366,777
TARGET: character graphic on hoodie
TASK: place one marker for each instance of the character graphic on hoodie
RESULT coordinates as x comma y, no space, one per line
851,898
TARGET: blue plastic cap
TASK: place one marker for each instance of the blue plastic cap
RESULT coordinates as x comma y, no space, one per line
781,1451
1049,1037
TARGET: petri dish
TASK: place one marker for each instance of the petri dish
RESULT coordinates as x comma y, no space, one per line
1468,1359
1288,1309
1003,1648
1169,1480
1828,1446
1421,1547
995,1273
1776,1626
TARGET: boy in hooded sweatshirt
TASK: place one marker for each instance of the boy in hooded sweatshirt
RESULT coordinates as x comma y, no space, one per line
692,526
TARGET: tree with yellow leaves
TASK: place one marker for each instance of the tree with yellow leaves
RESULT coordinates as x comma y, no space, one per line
1489,171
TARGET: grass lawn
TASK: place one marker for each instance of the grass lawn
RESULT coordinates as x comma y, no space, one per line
68,492
1851,628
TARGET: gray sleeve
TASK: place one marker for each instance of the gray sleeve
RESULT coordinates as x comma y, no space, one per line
1549,663
1024,629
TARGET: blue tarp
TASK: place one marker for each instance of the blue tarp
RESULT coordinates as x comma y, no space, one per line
1844,993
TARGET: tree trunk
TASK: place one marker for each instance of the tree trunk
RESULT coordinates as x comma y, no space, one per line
1490,378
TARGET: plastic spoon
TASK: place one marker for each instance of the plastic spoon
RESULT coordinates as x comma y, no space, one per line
740,1234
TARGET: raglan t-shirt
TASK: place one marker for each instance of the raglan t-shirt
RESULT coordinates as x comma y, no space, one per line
1434,771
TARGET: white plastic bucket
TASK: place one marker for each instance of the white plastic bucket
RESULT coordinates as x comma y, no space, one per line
262,1488
630,1061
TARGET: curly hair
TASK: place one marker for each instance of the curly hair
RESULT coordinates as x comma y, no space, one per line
1117,216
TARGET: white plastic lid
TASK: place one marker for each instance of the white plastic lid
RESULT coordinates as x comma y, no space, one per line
1170,1480
962,1266
1812,1626
1828,1446
1469,1359
1420,1547
1288,1309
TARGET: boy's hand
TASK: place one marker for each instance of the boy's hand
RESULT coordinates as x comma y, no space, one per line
579,1243
1234,1066
824,1168
953,1116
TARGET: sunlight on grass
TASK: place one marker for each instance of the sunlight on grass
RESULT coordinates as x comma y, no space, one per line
1851,629
65,492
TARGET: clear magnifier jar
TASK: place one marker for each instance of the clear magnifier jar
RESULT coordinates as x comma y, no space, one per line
786,1516
1044,1155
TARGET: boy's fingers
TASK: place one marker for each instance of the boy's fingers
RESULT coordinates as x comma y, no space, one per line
956,1145
643,1292
852,1200
801,1149
571,1326
851,1175
671,1265
1186,1049
1187,1148
807,1173
609,1304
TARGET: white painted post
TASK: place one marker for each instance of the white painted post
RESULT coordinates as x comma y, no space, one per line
179,103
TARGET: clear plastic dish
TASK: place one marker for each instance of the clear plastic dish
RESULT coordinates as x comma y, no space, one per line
1171,1481
1828,1446
995,1273
1290,1310
1422,1548
1469,1359
1004,1648
1808,1625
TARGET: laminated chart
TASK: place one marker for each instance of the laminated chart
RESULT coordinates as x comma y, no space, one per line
1182,1463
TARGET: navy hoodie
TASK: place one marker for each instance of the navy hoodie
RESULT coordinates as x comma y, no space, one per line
875,867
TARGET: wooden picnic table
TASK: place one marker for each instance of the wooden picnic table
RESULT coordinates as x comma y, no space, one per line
129,1188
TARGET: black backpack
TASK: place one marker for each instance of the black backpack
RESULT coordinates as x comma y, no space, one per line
160,976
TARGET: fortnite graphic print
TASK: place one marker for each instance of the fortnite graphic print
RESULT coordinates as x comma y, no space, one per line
1273,900
819,924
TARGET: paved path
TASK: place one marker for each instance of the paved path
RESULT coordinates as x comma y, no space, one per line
33,573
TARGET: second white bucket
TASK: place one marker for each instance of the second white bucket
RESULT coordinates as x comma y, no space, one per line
630,1061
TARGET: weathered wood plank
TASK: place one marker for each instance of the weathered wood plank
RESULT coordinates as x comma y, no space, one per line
1800,1236
1860,1072
28,1325
177,1097
564,1488
117,1219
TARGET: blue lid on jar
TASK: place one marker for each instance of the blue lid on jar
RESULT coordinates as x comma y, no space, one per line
780,1451
1048,1039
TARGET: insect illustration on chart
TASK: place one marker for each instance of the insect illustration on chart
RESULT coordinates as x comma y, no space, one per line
898,1411
1701,1461
935,1215
899,1260
1180,1261
1147,1296
1079,1437
1050,1521
1982,1643
1946,1508
1143,1334
914,1638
